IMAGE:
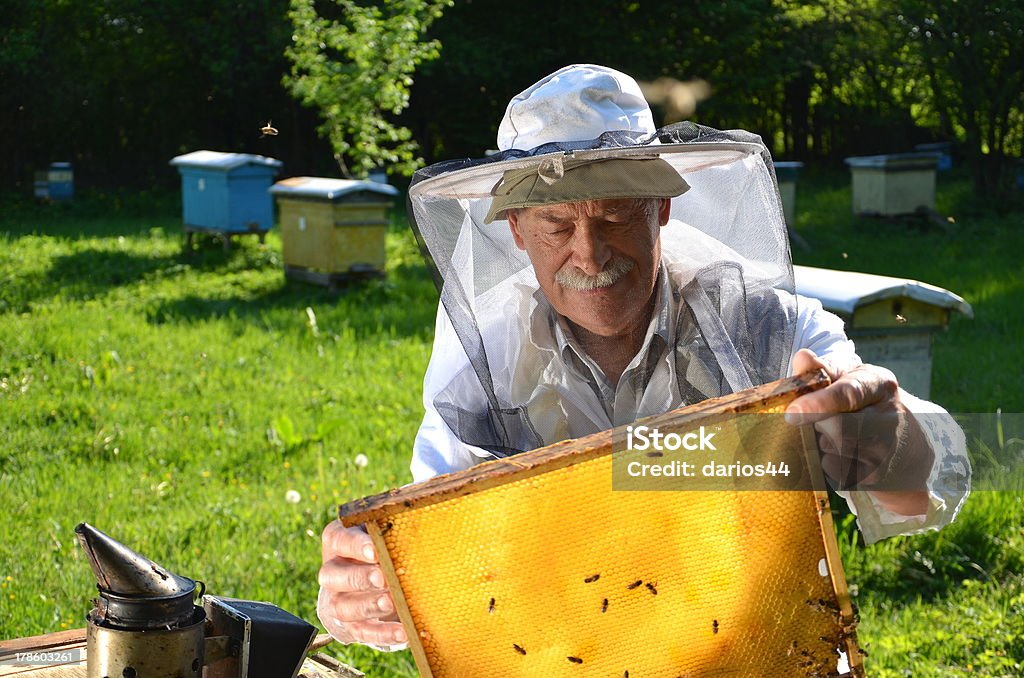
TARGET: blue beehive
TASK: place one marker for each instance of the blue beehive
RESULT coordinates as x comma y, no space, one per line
226,192
60,181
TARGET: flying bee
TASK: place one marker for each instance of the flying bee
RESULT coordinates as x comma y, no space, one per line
575,660
604,605
714,625
591,579
518,649
650,587
634,584
490,608
268,130
655,454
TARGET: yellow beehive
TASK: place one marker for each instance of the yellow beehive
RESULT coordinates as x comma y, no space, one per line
332,228
537,566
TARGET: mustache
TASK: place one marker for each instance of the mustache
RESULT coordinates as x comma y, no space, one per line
573,278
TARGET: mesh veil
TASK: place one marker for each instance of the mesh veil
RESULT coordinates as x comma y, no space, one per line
725,254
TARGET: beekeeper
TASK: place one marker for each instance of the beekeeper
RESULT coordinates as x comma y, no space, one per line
597,270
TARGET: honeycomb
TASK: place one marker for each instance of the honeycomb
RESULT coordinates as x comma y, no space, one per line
554,573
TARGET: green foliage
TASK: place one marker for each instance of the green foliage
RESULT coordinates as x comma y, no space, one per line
139,385
817,80
357,71
971,53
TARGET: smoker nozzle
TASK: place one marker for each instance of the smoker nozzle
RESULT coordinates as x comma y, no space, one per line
135,592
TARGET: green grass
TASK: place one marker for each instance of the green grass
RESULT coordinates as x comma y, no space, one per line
947,603
174,399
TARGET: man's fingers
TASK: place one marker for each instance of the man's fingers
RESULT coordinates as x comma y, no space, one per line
860,387
349,607
347,542
340,575
377,632
805,360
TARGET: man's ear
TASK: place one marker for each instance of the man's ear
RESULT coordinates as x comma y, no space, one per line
513,225
664,211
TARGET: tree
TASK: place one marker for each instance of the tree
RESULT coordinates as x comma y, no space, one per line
972,54
358,70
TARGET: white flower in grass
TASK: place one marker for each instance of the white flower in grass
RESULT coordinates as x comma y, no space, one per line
292,497
361,461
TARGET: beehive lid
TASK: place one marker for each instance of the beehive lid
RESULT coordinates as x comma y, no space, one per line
223,161
895,161
537,565
787,170
329,189
843,292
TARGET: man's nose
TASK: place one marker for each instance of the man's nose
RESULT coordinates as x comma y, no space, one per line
591,251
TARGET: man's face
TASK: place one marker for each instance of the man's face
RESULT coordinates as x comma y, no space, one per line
596,261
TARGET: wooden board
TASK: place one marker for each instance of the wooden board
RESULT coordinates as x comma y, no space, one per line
315,666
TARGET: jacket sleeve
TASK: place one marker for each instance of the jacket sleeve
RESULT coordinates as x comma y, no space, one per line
437,449
949,479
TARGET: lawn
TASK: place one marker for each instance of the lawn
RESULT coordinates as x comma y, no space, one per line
176,399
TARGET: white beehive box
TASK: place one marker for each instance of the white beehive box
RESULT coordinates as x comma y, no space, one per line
893,185
891,320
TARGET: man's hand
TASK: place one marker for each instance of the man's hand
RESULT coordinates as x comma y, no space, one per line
880,448
354,604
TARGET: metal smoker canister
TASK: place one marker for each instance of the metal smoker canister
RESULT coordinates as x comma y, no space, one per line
144,623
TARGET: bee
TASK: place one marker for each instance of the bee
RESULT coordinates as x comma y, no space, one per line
591,579
490,608
625,674
387,528
862,652
268,130
518,649
900,319
575,660
792,649
714,625
655,454
604,605
650,587
634,584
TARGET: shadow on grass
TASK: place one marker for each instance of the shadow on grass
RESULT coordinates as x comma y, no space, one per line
402,304
92,215
89,273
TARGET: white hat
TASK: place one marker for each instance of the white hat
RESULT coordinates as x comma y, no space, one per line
575,103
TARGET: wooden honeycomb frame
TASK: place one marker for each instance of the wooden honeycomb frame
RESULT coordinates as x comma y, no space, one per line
493,576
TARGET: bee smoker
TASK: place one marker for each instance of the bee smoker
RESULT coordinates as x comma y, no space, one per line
144,624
